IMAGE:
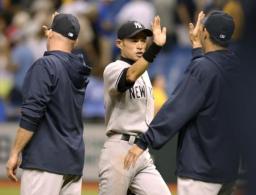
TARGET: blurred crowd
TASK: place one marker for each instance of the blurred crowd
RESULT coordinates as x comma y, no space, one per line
22,41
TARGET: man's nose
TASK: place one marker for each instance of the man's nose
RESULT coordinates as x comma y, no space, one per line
140,45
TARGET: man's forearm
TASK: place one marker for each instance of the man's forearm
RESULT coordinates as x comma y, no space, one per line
139,67
22,138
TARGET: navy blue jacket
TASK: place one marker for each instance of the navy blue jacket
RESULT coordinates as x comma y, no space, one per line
203,110
53,93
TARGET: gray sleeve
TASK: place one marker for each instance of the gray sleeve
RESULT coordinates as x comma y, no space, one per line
112,76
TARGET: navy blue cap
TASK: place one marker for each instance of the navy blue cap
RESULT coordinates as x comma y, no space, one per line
132,28
67,25
220,26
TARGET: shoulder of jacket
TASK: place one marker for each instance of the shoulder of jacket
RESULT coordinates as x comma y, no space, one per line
202,68
203,64
47,63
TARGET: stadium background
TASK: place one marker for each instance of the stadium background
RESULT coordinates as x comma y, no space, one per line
22,41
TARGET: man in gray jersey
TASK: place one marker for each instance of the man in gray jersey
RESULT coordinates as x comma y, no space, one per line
129,109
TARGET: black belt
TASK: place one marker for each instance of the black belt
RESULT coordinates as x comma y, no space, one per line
130,138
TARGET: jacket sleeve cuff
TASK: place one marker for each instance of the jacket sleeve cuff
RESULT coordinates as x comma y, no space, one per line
197,53
28,126
141,143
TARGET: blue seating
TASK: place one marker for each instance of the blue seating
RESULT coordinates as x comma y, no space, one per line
2,111
94,102
171,65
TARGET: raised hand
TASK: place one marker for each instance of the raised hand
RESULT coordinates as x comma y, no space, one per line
45,27
159,33
194,32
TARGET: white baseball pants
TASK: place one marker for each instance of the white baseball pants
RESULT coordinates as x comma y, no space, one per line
187,186
143,179
34,182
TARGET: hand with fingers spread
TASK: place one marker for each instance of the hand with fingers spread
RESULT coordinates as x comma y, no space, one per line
12,165
132,156
194,31
158,32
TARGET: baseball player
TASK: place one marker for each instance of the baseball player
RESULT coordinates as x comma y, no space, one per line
129,109
203,109
50,136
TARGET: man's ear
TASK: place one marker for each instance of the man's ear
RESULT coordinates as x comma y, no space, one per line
49,33
119,43
206,34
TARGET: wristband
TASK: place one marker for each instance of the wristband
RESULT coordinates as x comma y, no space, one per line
151,52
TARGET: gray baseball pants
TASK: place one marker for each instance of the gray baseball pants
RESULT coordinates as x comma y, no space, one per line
34,182
143,179
187,186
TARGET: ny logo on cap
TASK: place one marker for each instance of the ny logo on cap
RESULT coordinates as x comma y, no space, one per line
137,25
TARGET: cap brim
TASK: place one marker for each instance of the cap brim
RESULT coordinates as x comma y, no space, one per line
148,32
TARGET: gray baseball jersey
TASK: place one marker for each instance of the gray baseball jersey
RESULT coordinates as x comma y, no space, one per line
133,108
127,112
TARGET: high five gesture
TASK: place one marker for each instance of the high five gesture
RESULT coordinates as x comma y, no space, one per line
159,32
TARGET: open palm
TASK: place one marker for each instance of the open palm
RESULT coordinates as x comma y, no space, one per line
194,31
158,32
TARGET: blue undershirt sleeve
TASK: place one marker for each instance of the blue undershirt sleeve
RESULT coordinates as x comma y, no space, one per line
123,84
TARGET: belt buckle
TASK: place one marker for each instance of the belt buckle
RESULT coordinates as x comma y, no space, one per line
132,139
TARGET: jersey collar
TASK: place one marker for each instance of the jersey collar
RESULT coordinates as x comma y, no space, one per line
129,61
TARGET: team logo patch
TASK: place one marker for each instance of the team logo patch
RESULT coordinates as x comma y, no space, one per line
222,36
70,34
137,25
